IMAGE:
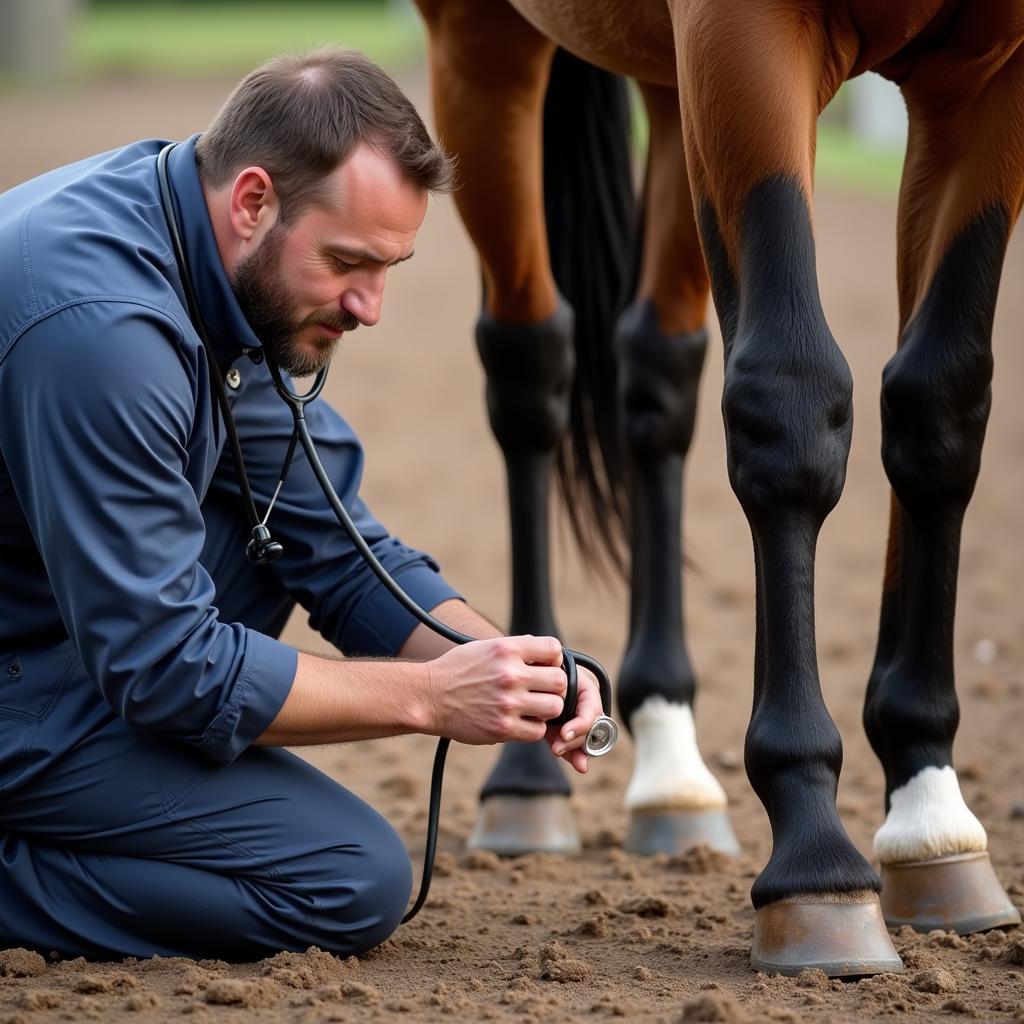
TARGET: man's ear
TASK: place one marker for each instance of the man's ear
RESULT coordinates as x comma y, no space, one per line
253,205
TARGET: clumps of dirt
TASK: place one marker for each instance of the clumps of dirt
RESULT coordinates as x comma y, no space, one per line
935,980
1014,952
481,860
307,970
40,999
701,860
98,984
719,1008
193,979
713,1008
360,992
597,926
444,864
140,1002
549,867
958,1006
814,978
249,993
557,964
646,906
21,963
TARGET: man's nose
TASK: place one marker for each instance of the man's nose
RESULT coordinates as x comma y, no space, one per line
364,302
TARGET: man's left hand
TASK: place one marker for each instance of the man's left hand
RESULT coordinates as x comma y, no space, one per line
568,741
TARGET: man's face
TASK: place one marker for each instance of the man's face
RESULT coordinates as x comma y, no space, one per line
322,274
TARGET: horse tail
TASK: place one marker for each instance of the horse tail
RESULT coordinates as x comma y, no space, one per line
590,209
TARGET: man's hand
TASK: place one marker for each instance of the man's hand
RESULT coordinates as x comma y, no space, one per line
506,688
491,691
568,741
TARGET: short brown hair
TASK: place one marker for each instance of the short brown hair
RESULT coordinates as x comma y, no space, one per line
299,116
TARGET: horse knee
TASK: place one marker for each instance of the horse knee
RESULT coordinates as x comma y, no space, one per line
660,374
934,410
529,377
788,416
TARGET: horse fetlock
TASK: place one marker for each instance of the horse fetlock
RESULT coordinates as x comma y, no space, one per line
928,818
783,754
906,732
529,378
660,374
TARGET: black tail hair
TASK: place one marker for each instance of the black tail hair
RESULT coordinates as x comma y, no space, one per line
590,209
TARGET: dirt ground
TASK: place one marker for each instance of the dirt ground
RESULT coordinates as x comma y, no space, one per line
607,935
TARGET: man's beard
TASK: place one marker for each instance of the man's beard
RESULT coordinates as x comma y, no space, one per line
271,313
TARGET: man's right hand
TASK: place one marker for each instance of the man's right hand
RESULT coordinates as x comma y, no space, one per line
491,691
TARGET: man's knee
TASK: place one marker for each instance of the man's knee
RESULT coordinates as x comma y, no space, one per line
359,888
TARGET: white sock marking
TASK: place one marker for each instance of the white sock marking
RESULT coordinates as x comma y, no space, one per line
669,773
928,818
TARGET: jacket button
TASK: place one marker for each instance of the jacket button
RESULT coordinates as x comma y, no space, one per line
233,379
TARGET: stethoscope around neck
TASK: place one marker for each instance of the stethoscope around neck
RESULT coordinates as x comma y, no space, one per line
262,549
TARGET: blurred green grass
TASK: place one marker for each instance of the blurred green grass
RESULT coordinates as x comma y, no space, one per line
167,38
846,161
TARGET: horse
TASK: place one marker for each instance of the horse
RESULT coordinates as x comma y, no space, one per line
592,330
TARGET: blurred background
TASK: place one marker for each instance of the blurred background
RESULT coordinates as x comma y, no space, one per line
62,45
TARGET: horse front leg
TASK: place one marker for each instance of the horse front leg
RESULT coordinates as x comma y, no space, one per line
674,800
961,193
488,99
750,102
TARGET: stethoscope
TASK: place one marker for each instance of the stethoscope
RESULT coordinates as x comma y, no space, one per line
262,549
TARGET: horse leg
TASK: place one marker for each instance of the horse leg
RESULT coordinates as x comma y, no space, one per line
961,192
674,800
751,96
489,72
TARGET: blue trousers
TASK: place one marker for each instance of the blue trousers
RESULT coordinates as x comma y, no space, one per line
133,844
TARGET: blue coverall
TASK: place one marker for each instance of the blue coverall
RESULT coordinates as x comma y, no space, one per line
137,652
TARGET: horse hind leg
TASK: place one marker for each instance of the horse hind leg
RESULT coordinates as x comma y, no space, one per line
961,193
750,102
489,71
674,800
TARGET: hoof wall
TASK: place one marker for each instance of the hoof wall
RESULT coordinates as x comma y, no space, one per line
843,935
678,831
959,893
513,825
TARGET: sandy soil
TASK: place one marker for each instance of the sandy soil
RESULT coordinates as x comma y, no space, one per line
607,935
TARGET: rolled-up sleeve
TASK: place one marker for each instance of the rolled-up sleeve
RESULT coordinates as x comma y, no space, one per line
98,406
320,566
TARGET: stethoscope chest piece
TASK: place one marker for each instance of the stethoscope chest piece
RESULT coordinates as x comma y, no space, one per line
601,737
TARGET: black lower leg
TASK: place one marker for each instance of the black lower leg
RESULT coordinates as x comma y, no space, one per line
935,402
529,373
660,378
788,418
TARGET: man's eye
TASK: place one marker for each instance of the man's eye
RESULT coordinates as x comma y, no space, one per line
342,266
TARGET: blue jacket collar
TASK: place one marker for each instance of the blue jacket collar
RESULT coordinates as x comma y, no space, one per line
226,326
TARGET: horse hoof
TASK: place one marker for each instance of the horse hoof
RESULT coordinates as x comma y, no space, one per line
842,934
513,825
678,831
959,893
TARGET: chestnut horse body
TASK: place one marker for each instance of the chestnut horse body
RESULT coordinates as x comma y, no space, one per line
732,94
